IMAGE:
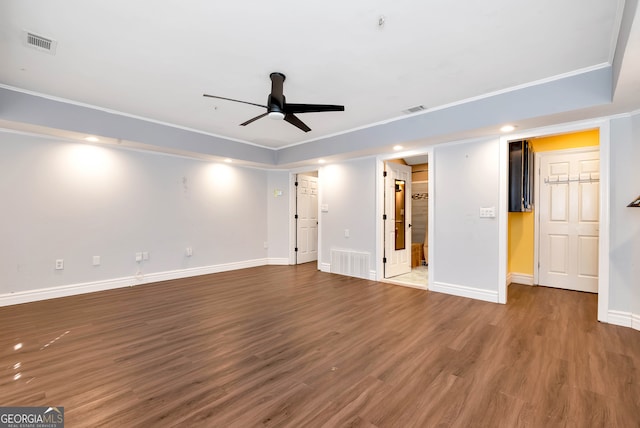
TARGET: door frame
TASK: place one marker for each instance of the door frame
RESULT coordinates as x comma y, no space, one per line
398,261
292,211
536,203
603,126
380,208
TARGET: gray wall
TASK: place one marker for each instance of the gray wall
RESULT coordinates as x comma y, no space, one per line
466,246
349,190
278,215
624,285
74,201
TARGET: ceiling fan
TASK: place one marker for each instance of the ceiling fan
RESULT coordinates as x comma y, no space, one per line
278,108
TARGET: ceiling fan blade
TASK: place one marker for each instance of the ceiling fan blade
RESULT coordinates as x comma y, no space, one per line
231,99
254,119
311,108
296,122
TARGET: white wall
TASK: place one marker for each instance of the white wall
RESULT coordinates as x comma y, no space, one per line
624,286
465,256
72,201
349,190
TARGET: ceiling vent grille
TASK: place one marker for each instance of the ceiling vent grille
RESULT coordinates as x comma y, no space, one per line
40,43
414,109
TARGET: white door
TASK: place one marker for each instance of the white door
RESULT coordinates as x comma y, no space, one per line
397,223
569,215
307,220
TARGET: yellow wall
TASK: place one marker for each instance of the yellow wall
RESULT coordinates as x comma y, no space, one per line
521,225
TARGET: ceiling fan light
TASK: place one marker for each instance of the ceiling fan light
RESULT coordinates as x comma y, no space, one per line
276,115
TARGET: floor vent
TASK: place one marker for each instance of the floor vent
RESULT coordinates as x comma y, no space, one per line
40,43
351,263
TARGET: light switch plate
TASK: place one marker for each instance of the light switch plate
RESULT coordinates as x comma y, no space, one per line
487,212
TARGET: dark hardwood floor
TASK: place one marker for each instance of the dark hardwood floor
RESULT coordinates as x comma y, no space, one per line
291,346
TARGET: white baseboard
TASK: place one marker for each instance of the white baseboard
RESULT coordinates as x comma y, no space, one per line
464,291
519,278
129,281
624,319
282,261
325,267
372,275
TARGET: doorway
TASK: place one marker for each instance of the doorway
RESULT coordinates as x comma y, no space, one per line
306,217
405,221
515,233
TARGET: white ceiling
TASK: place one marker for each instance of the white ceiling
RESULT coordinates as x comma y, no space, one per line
155,59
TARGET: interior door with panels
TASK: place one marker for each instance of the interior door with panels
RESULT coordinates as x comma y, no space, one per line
569,220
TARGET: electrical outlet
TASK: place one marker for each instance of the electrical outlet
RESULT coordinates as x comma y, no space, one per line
346,233
59,264
266,244
96,260
145,255
138,257
188,252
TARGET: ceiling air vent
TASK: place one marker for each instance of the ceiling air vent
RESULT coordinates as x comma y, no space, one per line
414,109
40,43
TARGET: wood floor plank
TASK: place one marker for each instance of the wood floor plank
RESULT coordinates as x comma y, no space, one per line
289,346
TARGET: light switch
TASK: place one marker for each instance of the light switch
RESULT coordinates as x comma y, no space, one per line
487,212
324,208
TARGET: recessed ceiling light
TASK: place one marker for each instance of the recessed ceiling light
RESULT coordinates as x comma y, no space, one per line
507,128
321,161
227,160
396,148
92,139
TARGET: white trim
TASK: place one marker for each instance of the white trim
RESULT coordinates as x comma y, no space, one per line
129,281
372,275
431,217
503,220
379,222
605,210
623,319
521,278
464,291
325,267
509,279
319,216
278,261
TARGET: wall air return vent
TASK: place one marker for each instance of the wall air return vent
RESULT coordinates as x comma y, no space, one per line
40,43
414,109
